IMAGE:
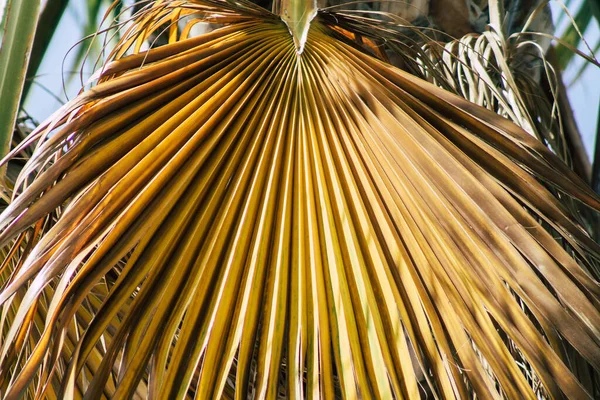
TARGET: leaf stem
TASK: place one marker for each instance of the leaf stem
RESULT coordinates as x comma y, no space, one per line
297,15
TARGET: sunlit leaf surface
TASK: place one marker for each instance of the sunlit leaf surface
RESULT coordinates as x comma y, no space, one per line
221,217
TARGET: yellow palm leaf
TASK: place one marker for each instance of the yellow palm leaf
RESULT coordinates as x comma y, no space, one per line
223,216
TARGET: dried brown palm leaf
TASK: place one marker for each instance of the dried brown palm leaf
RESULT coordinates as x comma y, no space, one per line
239,218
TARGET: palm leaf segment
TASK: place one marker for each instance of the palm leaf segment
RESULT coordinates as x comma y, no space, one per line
221,215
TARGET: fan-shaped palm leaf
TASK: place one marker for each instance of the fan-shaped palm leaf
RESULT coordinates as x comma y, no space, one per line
223,216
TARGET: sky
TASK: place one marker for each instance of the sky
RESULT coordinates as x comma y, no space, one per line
48,85
584,94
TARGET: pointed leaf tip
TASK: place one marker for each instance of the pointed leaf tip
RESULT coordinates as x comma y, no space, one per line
297,15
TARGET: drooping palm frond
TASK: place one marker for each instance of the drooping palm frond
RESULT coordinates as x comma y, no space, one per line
222,216
19,22
481,69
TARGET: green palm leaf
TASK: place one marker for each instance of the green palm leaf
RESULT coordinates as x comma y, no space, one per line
18,29
222,216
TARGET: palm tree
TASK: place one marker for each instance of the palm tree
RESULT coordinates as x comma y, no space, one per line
273,209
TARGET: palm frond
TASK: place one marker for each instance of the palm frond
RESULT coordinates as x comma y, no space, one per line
222,216
49,19
19,25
